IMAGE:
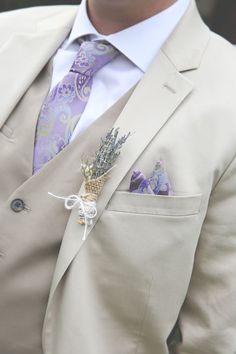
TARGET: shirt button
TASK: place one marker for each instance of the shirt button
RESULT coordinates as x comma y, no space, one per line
17,205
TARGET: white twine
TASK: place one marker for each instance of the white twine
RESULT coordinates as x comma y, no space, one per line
86,209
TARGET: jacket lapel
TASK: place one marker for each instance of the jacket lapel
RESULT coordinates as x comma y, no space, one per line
152,104
141,107
18,67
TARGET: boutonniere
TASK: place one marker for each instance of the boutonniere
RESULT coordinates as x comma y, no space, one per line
95,170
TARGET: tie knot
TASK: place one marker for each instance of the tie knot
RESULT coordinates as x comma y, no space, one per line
92,56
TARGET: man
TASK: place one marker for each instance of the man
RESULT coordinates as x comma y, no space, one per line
152,266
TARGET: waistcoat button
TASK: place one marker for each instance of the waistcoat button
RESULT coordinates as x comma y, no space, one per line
17,205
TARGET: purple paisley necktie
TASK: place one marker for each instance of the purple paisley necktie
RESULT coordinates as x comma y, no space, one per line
66,102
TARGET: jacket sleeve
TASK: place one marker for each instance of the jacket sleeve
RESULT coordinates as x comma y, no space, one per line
207,321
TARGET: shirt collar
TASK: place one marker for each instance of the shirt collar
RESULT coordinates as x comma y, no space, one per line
139,43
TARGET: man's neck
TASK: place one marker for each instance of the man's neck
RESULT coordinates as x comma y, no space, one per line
110,16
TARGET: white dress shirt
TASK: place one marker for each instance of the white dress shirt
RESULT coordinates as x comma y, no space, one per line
138,45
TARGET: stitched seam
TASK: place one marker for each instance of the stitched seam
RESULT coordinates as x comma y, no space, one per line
140,333
155,213
207,45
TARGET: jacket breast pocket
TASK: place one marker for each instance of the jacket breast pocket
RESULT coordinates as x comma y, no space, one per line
149,231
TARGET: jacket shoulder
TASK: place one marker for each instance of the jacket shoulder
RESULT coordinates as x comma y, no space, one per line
221,52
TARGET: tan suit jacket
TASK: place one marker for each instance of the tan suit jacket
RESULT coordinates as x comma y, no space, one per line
149,262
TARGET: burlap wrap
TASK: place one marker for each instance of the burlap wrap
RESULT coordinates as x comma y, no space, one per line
94,187
92,190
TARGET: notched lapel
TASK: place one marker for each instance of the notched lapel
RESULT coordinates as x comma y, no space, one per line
186,46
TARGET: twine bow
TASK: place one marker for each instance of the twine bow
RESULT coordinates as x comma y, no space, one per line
87,209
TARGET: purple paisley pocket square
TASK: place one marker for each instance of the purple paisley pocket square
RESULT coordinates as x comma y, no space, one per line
158,183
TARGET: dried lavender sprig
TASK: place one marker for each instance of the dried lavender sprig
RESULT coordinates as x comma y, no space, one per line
106,155
108,152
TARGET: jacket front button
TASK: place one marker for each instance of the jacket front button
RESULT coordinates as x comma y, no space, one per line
17,205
